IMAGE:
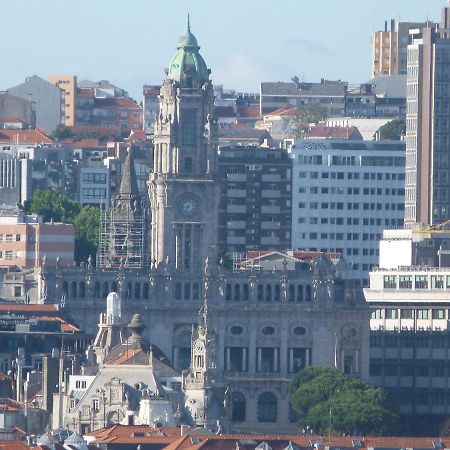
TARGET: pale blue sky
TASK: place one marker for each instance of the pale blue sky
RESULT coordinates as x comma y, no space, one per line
244,42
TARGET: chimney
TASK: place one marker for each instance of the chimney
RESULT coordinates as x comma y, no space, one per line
385,25
183,430
130,419
392,24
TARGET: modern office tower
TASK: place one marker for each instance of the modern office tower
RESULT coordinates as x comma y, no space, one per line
389,48
427,197
409,297
344,193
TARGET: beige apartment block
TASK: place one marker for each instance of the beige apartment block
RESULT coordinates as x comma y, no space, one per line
27,241
68,84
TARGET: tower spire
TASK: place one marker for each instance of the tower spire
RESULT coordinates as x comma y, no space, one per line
128,185
188,27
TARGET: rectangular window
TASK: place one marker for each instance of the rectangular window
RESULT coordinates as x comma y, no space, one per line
405,282
391,313
236,359
407,313
297,359
378,314
423,313
267,359
421,282
438,313
390,282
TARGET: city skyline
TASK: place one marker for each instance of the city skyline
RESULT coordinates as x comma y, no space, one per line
252,50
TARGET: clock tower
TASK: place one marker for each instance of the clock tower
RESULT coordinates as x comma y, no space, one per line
183,187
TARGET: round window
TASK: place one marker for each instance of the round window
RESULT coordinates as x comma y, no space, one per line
236,329
268,330
299,331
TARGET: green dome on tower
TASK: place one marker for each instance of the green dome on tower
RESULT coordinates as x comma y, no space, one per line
187,66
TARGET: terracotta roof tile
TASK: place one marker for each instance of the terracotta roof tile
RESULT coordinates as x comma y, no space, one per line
17,307
24,137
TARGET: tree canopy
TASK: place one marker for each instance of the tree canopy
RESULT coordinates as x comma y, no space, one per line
300,122
393,130
328,401
51,205
87,227
86,219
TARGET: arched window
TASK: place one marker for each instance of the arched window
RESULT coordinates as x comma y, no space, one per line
267,407
277,295
82,290
268,293
105,290
129,290
245,292
237,407
291,292
145,291
73,289
114,286
97,289
299,293
260,292
65,287
308,293
237,292
195,291
228,292
137,290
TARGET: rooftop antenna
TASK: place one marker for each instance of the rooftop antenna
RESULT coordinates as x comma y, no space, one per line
188,24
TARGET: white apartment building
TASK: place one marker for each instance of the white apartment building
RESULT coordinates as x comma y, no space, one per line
344,193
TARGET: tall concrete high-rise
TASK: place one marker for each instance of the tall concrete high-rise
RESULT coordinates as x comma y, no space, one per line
427,197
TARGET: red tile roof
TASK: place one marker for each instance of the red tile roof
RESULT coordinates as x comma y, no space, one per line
320,131
14,445
135,434
127,103
24,137
106,131
136,135
84,143
27,308
280,442
283,112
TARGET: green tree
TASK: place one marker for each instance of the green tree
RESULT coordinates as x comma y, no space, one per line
393,130
62,132
51,205
87,229
330,402
86,219
300,123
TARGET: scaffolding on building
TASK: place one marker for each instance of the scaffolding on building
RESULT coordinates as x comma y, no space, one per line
123,237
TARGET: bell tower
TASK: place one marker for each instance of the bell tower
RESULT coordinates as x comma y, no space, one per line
183,188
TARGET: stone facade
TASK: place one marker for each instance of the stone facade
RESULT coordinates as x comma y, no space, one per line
268,320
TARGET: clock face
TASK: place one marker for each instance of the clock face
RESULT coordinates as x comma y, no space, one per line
188,207
198,347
